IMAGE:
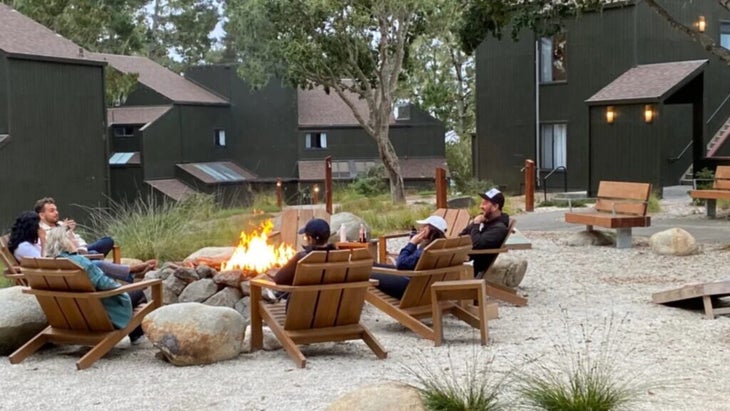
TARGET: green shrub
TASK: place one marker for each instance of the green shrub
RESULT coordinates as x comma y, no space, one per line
372,183
653,206
447,388
585,378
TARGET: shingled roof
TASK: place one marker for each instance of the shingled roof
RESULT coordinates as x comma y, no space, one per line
23,36
135,114
173,86
648,83
316,108
411,168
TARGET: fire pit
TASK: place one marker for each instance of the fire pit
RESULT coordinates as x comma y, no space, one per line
254,255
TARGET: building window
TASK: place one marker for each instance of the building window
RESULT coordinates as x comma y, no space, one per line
553,52
725,34
553,145
123,131
220,138
315,140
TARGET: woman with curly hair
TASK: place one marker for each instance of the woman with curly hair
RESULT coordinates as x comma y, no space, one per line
23,240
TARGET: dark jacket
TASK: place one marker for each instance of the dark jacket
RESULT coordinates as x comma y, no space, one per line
408,257
285,275
490,234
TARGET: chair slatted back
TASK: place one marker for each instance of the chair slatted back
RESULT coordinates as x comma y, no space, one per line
66,311
308,309
456,220
447,254
722,178
292,219
623,197
6,256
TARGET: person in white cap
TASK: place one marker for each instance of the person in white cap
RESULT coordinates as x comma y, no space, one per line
433,228
489,229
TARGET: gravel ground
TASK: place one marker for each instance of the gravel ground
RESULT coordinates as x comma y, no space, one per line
593,301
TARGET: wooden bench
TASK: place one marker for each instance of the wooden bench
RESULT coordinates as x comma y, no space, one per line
619,205
720,190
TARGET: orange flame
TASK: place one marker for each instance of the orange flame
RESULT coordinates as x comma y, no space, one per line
255,254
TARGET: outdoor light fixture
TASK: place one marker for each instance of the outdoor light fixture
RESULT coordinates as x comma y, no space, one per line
610,114
701,25
648,113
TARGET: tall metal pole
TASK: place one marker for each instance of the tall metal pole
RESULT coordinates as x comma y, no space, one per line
328,184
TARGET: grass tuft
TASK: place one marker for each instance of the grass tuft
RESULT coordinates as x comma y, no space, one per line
584,377
450,388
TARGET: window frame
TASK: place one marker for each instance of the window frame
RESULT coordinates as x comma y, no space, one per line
219,137
124,131
725,23
553,153
541,60
321,140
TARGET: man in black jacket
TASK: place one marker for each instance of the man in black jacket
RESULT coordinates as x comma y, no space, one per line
487,230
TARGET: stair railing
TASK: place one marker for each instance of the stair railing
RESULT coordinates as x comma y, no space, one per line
553,171
681,154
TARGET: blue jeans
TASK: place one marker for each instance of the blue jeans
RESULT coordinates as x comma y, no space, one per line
101,246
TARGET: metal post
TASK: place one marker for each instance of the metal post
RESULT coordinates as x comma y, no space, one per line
529,185
278,193
441,188
328,184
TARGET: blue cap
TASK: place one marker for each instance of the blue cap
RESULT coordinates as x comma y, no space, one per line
317,229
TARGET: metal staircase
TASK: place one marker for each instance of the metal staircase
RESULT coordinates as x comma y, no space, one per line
712,146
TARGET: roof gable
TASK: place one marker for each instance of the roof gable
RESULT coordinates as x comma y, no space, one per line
648,83
23,36
169,84
316,108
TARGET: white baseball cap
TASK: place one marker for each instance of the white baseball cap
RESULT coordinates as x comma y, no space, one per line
435,221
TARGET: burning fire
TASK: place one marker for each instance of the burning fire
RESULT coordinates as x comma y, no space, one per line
254,254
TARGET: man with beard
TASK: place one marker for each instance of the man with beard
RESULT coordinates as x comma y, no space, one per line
487,230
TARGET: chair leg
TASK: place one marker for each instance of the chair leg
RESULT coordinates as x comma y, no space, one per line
438,332
374,344
289,345
100,349
257,335
707,302
483,328
33,345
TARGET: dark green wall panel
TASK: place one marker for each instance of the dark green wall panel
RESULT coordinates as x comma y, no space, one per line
161,146
58,144
4,82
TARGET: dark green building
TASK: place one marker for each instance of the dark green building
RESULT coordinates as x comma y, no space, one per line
172,137
548,99
52,121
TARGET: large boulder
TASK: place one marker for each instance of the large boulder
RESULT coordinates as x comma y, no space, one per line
198,291
392,396
674,241
593,237
352,226
21,318
461,202
508,270
193,333
227,297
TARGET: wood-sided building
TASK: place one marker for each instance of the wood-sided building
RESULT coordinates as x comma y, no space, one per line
548,99
52,120
287,133
172,138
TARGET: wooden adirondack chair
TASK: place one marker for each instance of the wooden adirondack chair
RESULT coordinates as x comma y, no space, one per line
456,220
12,268
442,260
325,303
74,310
292,219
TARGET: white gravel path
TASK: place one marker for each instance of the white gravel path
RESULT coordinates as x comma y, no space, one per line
683,358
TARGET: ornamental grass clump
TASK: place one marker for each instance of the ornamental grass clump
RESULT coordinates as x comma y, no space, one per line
583,375
473,387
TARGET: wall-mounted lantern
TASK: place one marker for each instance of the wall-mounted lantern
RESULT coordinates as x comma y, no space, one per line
648,113
610,114
315,199
701,24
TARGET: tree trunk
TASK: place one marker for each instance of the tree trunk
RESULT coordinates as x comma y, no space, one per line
392,165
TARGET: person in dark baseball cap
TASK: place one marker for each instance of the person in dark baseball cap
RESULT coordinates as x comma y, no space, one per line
317,234
317,229
487,230
494,196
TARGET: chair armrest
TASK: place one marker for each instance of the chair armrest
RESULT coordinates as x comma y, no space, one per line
94,256
489,251
260,282
383,244
265,283
419,273
95,294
